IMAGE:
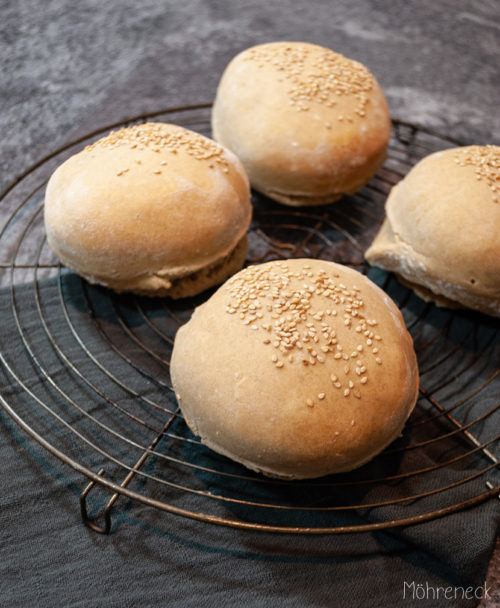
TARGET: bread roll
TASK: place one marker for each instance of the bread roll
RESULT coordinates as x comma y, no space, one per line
308,124
296,369
441,235
154,209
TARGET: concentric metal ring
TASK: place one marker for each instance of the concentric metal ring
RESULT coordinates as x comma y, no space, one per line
88,372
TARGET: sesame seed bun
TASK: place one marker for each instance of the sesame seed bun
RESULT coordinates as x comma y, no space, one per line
442,227
308,124
154,209
296,369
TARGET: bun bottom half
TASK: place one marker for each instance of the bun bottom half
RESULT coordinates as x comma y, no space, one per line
349,185
158,284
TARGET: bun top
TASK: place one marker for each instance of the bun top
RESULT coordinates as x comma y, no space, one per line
446,217
152,198
304,107
311,369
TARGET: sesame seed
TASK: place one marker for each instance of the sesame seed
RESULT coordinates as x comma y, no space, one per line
485,160
319,76
292,308
161,137
321,396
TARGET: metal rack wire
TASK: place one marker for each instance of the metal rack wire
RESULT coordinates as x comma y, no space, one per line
88,373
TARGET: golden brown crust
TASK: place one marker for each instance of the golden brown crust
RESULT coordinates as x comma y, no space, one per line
441,229
254,382
145,206
308,124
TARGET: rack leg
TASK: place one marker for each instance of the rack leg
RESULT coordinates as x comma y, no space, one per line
91,522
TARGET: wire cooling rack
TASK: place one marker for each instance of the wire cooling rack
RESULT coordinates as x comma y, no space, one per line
87,373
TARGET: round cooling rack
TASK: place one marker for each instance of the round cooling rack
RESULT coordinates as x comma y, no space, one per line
85,372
